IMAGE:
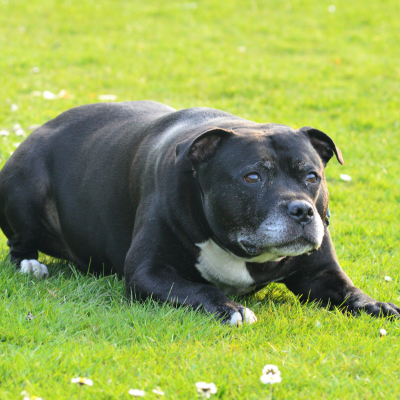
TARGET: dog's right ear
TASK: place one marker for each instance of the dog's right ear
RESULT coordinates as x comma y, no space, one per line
201,147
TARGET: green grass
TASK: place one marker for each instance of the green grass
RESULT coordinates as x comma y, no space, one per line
288,62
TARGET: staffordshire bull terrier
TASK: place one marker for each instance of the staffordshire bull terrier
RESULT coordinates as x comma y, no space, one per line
189,206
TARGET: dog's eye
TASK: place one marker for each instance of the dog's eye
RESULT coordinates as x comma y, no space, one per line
253,177
311,178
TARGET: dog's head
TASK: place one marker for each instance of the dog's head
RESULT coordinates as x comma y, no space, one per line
263,189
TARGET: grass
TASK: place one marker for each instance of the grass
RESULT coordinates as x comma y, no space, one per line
288,62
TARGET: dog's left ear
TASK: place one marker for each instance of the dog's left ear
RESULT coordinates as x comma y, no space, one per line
323,144
201,146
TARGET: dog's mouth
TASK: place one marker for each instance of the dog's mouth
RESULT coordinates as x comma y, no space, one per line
251,249
296,246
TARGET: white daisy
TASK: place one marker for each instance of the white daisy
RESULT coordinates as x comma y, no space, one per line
206,389
271,374
137,392
82,381
27,397
269,378
271,369
158,392
345,177
48,95
388,278
382,332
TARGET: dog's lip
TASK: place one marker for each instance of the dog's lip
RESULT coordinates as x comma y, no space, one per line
300,240
255,250
252,249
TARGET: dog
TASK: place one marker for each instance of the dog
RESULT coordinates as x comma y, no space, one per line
189,206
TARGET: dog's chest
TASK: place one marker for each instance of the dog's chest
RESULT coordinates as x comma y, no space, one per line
224,270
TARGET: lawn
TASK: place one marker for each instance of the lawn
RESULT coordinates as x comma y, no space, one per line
297,63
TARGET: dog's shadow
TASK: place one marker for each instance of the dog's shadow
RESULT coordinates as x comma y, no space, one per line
274,294
66,274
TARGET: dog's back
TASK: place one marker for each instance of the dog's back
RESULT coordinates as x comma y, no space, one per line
86,140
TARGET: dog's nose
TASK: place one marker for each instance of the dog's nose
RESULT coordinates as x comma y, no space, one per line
302,211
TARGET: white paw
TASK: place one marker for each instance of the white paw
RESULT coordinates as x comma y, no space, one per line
249,316
236,319
29,266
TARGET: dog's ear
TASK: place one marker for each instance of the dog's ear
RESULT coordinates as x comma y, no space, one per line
323,144
201,147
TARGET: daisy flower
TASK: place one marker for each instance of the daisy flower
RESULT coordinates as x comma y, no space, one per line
27,397
137,392
271,369
82,381
345,177
270,374
158,392
269,378
206,389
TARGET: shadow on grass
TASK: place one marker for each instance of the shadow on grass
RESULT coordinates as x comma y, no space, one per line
67,284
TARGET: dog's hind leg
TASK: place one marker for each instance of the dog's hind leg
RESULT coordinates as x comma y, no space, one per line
23,252
25,256
32,227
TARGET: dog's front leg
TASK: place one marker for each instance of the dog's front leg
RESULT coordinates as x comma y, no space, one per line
319,277
164,284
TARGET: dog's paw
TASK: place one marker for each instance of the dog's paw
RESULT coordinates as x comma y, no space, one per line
235,319
248,316
34,266
243,315
381,309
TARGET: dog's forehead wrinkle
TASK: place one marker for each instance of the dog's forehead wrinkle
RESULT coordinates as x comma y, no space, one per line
267,163
272,150
299,165
288,146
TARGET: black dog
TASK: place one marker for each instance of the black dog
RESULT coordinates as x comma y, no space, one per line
188,205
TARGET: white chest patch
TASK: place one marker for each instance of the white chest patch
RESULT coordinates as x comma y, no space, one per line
224,270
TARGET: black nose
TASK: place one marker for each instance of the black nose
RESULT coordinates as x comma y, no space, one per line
302,211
